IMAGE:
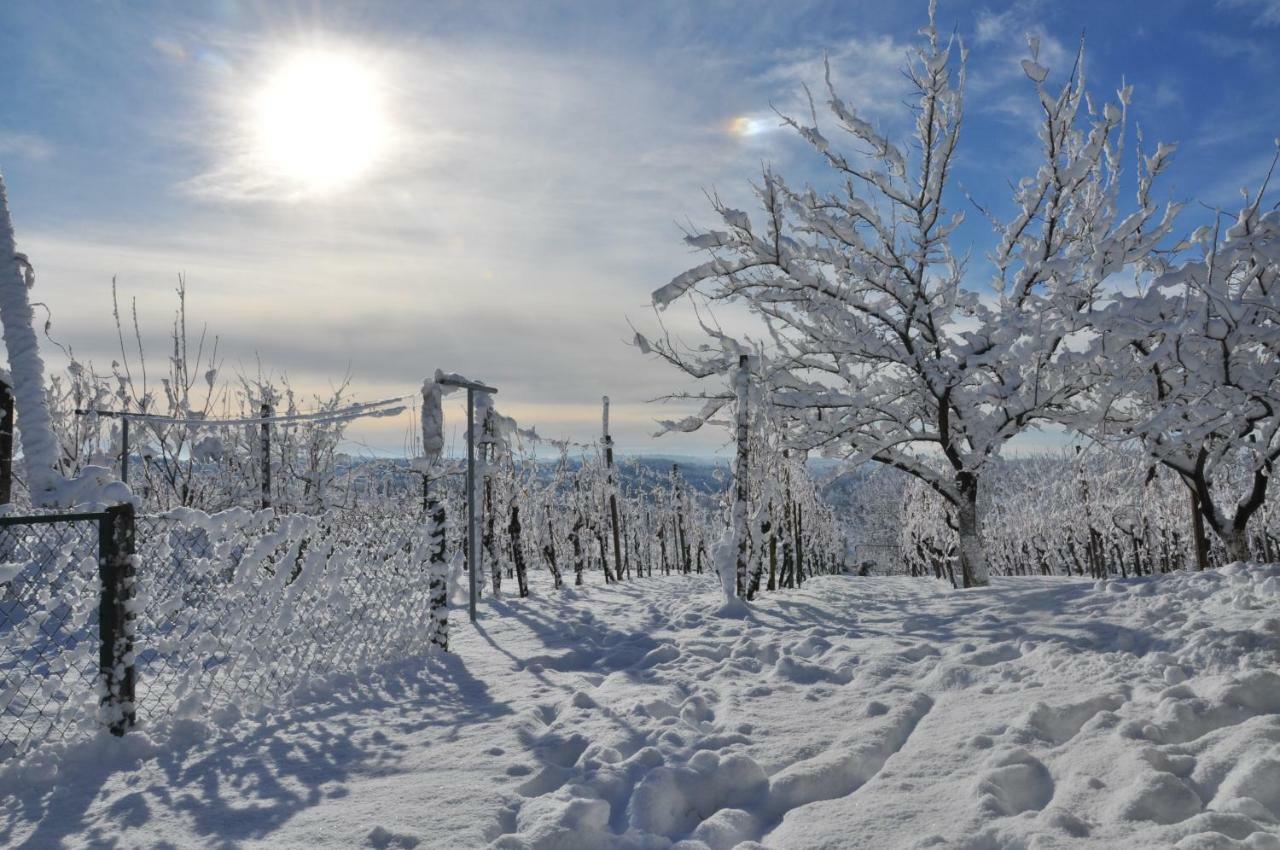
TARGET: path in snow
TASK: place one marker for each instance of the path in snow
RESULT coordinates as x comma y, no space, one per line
874,713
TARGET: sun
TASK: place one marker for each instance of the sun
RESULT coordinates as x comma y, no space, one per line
319,121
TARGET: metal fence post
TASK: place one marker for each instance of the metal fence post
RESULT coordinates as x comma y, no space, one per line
474,556
115,620
473,553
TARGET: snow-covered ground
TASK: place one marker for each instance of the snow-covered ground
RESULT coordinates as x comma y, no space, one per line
855,713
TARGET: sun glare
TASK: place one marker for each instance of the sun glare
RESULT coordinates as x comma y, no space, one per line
319,121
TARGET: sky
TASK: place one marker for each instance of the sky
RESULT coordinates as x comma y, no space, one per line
501,186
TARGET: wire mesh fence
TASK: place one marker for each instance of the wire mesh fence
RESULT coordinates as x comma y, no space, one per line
238,608
246,611
49,628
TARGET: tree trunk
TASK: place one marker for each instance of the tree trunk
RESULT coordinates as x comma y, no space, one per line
437,576
1236,542
1197,531
773,553
973,557
495,568
575,539
517,551
549,551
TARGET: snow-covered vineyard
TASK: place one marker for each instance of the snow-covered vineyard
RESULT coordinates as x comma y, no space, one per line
881,619
852,712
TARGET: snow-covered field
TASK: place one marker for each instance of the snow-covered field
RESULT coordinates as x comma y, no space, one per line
855,713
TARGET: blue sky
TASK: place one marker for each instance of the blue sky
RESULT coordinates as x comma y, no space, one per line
535,162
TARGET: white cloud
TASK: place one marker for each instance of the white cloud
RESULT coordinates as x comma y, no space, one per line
1167,94
996,28
1235,48
1266,12
867,74
531,209
30,146
1002,40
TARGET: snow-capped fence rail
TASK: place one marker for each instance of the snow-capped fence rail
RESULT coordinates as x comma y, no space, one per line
235,610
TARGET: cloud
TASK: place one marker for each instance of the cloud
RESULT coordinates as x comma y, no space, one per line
29,146
997,28
1236,47
528,203
867,73
1002,43
1225,189
529,208
1266,12
1167,95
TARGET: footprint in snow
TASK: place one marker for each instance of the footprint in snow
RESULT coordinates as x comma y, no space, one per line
1059,724
382,838
1013,782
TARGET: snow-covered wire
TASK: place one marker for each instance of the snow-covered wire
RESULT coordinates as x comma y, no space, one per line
383,407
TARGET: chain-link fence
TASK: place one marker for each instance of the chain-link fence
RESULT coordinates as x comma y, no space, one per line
62,625
237,608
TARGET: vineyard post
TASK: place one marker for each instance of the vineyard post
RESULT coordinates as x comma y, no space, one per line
266,454
473,550
124,449
116,630
123,416
682,543
613,496
741,473
474,556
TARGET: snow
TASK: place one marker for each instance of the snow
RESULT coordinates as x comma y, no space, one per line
855,712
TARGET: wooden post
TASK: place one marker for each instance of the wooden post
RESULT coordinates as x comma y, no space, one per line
799,545
6,444
613,496
115,617
124,449
266,455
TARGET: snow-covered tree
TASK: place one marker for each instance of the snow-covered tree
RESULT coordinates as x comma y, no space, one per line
880,346
47,486
1192,369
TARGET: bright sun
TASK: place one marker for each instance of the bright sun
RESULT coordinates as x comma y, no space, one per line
319,121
